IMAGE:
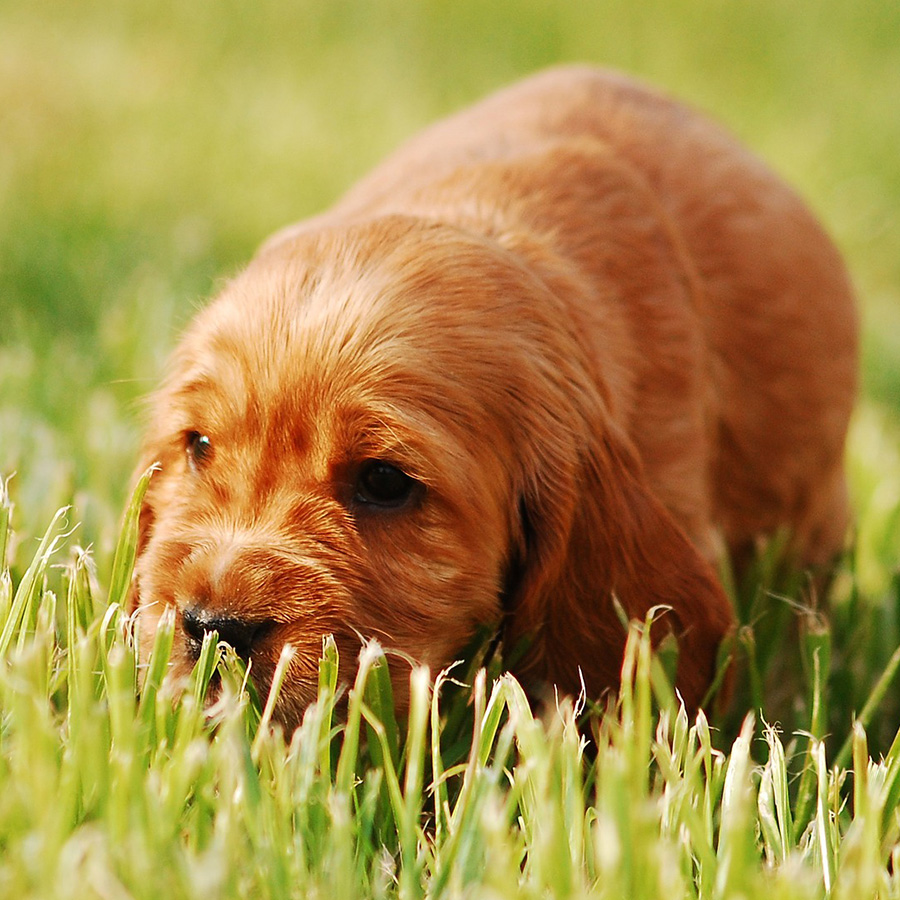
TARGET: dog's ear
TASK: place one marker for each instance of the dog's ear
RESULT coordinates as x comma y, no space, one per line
591,530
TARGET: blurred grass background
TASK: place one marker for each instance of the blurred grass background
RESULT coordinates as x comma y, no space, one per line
146,148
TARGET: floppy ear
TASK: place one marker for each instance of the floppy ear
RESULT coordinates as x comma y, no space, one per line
591,530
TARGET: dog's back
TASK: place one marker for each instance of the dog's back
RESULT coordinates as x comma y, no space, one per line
721,314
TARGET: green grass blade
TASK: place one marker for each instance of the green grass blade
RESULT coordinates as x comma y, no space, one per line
126,548
157,666
379,698
417,726
876,698
806,792
6,507
737,836
207,661
824,833
281,669
329,665
774,801
28,593
348,759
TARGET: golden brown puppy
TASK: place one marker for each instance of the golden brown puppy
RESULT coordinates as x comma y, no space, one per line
557,349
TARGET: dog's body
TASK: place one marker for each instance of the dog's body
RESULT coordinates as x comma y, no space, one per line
598,339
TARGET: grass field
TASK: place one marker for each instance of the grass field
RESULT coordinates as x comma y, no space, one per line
145,150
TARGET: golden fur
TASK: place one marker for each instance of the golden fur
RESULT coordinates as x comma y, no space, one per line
603,339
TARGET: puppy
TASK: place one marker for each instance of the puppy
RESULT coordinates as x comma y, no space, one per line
558,351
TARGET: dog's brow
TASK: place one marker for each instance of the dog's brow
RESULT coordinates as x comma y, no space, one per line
204,384
202,395
197,383
375,431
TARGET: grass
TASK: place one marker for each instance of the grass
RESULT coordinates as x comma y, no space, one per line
147,149
117,783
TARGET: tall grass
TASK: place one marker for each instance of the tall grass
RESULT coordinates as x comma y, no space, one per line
117,782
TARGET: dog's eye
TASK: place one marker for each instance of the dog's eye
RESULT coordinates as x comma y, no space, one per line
198,448
382,484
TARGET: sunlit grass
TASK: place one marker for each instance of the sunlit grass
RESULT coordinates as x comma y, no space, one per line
118,782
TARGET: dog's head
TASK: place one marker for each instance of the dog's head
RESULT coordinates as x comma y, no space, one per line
389,430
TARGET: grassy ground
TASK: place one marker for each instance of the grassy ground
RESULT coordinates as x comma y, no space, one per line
146,149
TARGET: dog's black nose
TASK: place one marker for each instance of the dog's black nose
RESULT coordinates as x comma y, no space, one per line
239,633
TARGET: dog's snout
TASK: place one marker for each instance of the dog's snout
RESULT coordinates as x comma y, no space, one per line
240,634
